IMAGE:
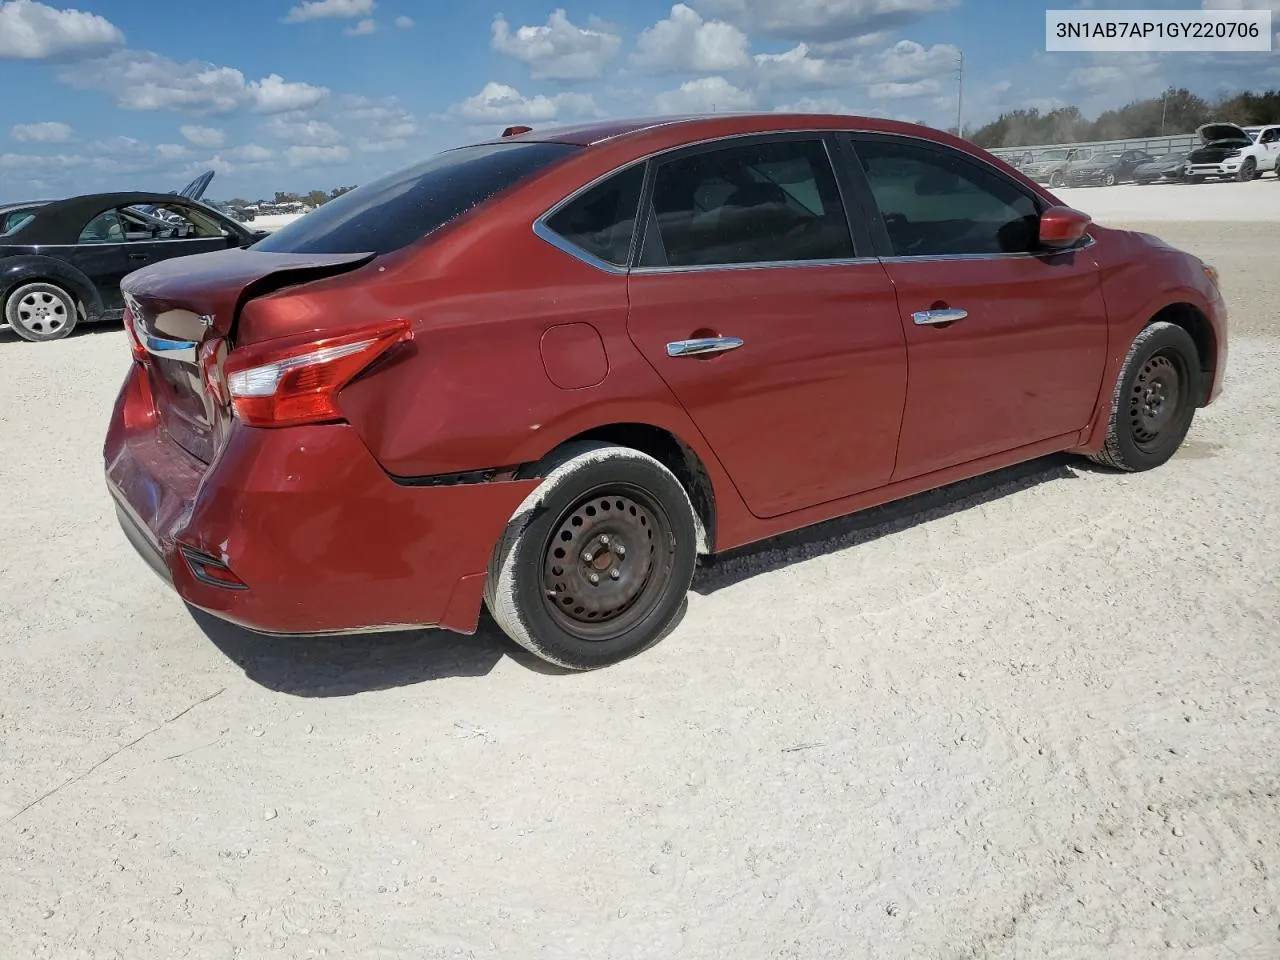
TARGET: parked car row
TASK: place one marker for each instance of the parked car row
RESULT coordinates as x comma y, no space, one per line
1227,151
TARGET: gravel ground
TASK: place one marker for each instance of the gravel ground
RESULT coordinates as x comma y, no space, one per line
1031,716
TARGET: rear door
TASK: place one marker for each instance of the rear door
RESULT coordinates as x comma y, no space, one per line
1005,343
751,301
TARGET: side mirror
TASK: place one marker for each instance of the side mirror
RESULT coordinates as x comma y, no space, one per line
1062,227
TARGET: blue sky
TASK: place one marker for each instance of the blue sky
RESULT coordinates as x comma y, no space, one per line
287,95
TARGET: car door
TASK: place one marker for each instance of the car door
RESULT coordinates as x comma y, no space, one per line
100,254
1269,148
1005,342
751,301
174,229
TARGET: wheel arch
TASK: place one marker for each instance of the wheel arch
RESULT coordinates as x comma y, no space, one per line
1193,320
673,453
15,271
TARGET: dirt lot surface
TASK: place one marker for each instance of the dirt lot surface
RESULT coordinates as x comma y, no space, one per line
1034,716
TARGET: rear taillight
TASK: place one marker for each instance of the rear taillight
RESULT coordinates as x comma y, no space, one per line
135,342
296,380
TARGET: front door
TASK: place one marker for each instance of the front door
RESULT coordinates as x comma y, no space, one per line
1005,345
100,254
784,348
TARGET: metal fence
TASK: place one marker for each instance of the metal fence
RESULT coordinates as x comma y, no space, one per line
1183,143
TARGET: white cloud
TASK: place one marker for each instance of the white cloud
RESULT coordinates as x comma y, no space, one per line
302,156
142,80
560,50
274,94
814,105
210,138
50,131
902,91
36,31
686,43
381,146
906,61
821,20
252,153
362,29
23,161
171,151
404,23
386,120
329,9
499,103
312,132
705,95
797,69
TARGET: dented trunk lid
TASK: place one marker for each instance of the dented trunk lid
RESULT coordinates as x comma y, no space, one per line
184,311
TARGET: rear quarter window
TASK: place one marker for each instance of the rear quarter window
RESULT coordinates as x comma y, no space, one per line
390,213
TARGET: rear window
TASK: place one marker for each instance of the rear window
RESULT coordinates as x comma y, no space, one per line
402,207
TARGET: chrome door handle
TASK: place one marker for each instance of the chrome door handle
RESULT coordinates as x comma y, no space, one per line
695,348
927,318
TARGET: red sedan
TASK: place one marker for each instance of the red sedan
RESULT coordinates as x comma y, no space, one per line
546,372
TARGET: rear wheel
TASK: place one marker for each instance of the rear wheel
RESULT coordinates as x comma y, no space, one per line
1154,401
40,311
1248,170
595,565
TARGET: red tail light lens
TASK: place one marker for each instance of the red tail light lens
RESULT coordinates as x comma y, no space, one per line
135,343
285,382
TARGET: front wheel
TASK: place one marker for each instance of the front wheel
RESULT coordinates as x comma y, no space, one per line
1248,171
1109,180
40,311
595,565
1154,401
1057,179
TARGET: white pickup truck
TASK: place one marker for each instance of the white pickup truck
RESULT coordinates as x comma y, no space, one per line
1233,151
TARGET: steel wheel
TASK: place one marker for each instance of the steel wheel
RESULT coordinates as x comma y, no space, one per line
1154,402
40,311
606,562
1109,180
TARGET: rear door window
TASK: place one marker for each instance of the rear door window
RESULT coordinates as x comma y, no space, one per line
601,220
763,202
394,211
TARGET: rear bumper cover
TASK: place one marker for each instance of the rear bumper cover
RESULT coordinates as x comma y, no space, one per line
322,538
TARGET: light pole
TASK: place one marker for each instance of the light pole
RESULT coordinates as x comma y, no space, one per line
960,97
1164,109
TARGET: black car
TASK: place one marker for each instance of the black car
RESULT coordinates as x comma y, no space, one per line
61,262
1107,168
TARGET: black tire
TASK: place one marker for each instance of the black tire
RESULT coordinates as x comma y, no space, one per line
1248,170
1057,179
40,311
1109,180
1155,399
539,588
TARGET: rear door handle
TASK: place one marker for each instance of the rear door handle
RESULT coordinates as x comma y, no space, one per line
928,318
139,256
702,345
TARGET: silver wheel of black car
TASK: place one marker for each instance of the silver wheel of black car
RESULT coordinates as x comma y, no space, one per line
40,311
1110,179
1056,179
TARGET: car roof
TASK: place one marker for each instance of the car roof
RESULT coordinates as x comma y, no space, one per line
60,221
693,127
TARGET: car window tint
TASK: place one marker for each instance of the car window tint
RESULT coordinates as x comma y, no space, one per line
15,220
396,210
601,220
755,203
936,202
104,228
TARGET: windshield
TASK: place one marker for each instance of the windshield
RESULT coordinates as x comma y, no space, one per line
404,206
1053,155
